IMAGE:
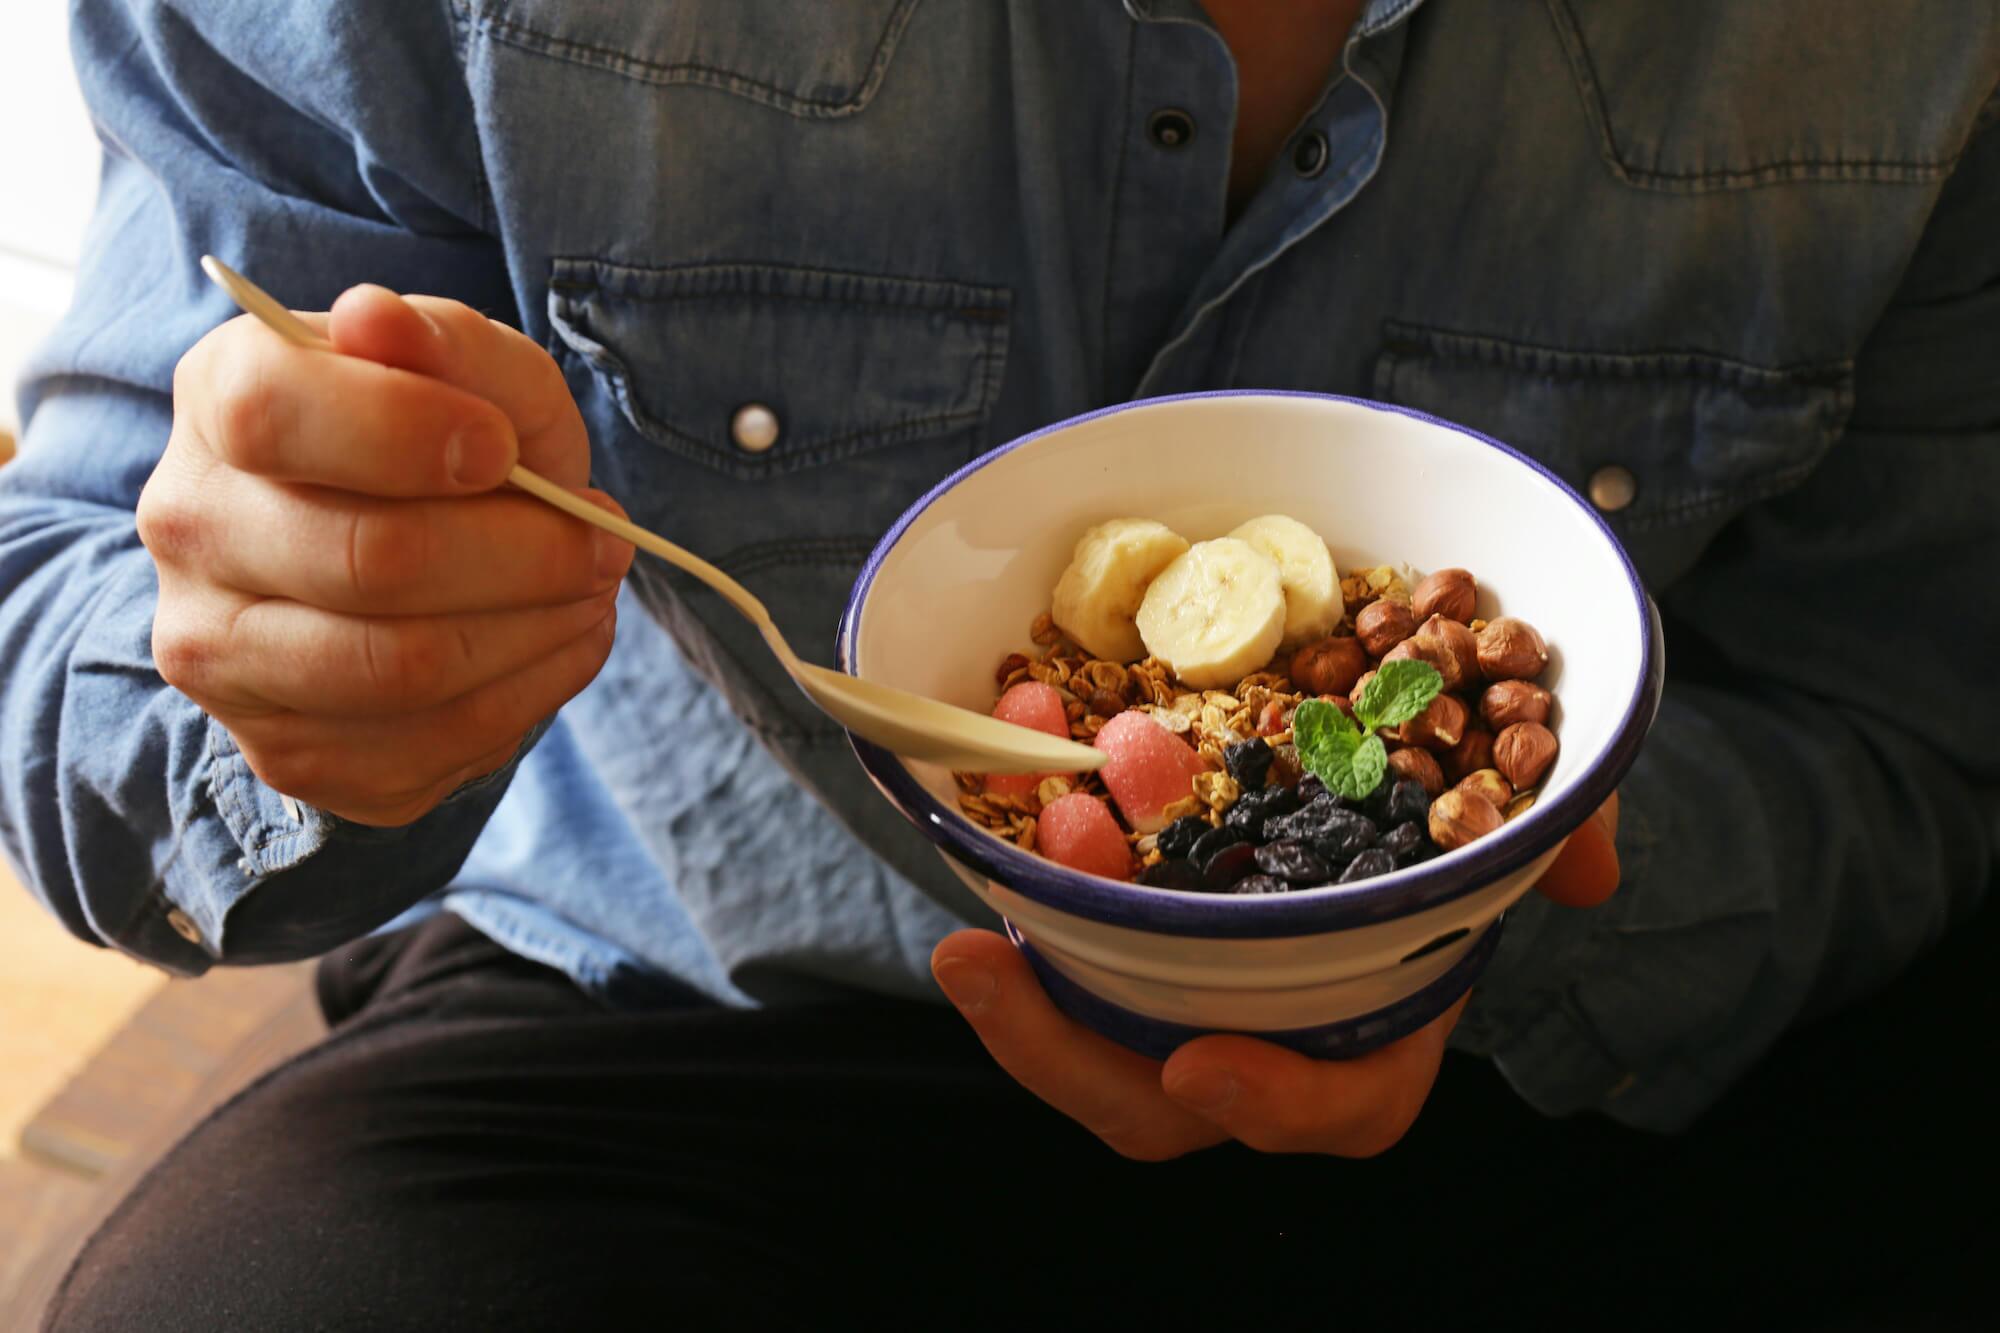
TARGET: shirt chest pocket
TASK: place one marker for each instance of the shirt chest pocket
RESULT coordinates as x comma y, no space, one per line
1670,445
817,61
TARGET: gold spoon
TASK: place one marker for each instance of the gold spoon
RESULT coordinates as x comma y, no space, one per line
903,723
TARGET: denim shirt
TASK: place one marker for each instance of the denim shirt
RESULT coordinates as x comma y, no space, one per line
1732,268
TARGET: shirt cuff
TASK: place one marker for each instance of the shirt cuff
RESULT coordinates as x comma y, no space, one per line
251,834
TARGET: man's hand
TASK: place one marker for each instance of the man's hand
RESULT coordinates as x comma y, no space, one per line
1224,1087
343,585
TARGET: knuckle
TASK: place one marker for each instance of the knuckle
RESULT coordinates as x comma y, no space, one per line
170,525
401,662
181,654
249,411
387,551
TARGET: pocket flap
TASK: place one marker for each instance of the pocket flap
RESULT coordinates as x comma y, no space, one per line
845,362
1701,434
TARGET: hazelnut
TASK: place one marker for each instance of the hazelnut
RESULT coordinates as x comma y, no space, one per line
1271,719
1523,753
1107,703
1509,701
1511,649
1461,816
1447,592
1410,762
1438,727
1449,646
1488,783
1329,666
1382,624
1360,683
1009,664
1473,752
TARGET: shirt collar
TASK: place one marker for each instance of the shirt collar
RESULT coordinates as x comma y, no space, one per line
1376,16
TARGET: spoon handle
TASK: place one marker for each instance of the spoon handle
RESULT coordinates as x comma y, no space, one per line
254,300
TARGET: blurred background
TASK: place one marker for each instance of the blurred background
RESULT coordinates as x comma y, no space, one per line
60,1000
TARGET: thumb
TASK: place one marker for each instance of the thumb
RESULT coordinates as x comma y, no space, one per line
450,341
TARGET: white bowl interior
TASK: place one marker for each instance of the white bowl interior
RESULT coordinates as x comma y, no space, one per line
960,589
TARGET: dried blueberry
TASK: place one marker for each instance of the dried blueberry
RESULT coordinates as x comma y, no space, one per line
1260,884
1310,789
1248,762
1344,837
1227,866
1376,803
1179,837
1174,873
1292,860
1308,821
1254,808
1372,862
1402,840
1407,801
1215,840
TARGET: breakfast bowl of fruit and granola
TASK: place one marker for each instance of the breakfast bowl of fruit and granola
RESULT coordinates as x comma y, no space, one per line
1356,673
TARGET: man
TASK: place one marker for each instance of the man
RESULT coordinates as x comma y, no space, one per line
286,661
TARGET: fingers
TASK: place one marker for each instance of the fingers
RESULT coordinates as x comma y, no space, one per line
1585,872
367,556
286,413
390,771
1275,1100
273,654
451,342
1109,1090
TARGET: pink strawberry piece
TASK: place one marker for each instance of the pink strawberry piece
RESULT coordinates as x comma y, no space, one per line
1079,831
1148,768
1038,707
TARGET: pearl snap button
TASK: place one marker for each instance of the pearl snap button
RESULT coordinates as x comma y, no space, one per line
1612,488
754,428
184,926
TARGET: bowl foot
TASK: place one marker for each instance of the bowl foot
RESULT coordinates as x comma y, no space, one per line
1159,1038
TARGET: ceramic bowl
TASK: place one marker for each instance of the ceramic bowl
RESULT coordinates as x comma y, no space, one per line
954,585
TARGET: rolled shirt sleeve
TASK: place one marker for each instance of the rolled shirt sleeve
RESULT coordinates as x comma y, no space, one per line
132,815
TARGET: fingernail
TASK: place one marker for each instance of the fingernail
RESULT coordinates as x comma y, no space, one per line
612,554
965,984
479,456
1208,1090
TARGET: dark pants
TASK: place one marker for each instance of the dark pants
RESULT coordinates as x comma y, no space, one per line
476,1145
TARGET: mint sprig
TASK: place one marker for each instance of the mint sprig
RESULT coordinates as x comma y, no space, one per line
1345,753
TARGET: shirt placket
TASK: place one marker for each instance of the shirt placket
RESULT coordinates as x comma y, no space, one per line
1170,194
1329,159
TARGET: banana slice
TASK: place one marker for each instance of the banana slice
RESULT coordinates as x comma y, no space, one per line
1099,593
1215,614
1313,604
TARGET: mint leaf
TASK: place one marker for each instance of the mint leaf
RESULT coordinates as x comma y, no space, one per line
1331,748
1365,770
1396,693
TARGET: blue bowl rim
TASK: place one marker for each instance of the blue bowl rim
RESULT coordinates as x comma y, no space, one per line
1277,916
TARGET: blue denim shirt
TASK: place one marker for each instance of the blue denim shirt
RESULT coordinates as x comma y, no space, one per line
1748,253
